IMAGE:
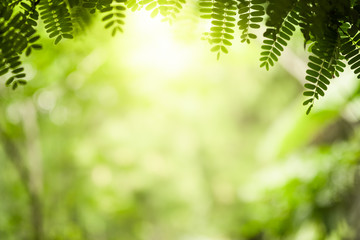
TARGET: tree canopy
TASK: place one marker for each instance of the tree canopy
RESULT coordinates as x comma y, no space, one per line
330,30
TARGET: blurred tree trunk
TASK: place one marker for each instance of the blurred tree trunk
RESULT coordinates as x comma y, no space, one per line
34,162
29,168
354,206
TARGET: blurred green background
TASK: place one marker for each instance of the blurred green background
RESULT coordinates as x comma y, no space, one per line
146,136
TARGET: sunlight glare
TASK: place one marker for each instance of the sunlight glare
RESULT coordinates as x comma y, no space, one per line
156,48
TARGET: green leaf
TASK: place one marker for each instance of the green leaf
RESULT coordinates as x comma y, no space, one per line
107,17
31,40
14,86
309,86
151,5
109,24
324,80
252,36
54,34
4,71
310,100
154,13
311,79
226,42
36,46
22,75
57,40
326,73
21,82
309,93
314,67
312,73
215,48
224,49
319,91
9,81
68,36
309,109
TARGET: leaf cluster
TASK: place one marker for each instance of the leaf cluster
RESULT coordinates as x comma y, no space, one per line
222,13
329,27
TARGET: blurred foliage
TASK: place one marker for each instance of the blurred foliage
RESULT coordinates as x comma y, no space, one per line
108,141
311,196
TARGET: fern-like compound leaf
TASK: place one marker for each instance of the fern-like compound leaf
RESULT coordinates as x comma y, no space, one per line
30,18
251,13
222,13
80,16
276,38
318,78
350,48
30,11
113,15
15,36
91,5
56,17
324,64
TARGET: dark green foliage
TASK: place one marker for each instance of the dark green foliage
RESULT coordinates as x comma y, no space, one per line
56,17
80,16
319,22
113,15
93,5
276,38
112,11
251,13
29,9
350,48
280,27
324,64
17,35
329,29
